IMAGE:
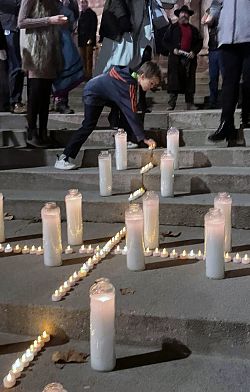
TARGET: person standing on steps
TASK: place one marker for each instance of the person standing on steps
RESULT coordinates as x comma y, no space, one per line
118,86
234,42
184,42
42,60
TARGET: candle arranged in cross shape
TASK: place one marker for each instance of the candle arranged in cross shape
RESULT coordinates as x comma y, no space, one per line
121,149
173,145
151,220
214,229
146,168
135,246
136,194
52,241
223,201
167,174
73,202
105,173
2,233
102,325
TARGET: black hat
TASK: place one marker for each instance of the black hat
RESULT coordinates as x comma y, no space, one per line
184,8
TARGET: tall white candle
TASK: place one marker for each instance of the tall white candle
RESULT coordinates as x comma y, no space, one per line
2,235
135,246
73,201
223,201
214,229
105,173
52,242
167,175
102,325
151,220
121,150
173,145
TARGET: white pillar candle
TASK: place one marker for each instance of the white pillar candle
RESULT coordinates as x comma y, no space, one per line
2,234
223,201
214,228
173,145
151,220
73,201
121,150
102,325
52,242
167,175
105,173
135,246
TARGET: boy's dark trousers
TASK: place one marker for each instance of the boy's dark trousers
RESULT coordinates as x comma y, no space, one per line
91,117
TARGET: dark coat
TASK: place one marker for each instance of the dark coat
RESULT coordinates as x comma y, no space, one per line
87,26
8,14
2,38
115,19
181,71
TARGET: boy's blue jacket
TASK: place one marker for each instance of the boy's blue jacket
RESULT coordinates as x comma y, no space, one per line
119,87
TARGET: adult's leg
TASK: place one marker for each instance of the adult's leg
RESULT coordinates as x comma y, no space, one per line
45,91
246,85
89,61
33,103
172,101
214,72
91,116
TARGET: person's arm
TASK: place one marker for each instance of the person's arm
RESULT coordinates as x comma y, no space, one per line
215,10
198,42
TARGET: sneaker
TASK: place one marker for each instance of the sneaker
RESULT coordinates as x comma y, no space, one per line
131,145
62,163
18,108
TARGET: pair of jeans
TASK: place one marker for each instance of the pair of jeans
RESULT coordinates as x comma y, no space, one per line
236,62
16,74
215,69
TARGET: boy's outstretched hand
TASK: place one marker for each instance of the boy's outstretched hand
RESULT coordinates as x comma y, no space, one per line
151,143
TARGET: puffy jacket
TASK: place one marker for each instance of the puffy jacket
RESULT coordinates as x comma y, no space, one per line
234,26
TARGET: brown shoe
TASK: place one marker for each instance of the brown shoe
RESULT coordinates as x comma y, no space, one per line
19,108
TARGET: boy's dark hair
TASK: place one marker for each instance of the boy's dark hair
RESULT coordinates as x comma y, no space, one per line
150,69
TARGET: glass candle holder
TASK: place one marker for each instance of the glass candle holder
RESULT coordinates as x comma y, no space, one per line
2,234
105,173
52,241
173,145
134,240
151,220
121,150
73,202
167,175
223,201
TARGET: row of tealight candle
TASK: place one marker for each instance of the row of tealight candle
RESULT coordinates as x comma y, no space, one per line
17,249
18,366
87,266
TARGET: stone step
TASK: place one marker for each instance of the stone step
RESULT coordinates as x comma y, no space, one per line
200,119
189,157
182,210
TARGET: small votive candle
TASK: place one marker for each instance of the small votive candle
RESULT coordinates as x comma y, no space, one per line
29,355
237,259
118,250
97,249
102,254
191,255
25,250
156,253
82,273
40,341
25,361
164,252
56,296
227,257
39,251
95,259
200,255
148,252
37,346
90,263
45,337
183,255
71,281
66,286
33,250
1,248
18,365
83,250
17,249
125,250
9,381
8,249
75,276
32,350
68,250
90,250
174,254
245,259
62,291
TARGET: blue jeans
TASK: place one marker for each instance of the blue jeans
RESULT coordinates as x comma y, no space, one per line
215,68
16,74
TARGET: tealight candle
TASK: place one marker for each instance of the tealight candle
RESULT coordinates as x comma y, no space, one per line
18,366
40,341
183,255
8,249
95,259
68,250
9,381
75,276
37,346
156,252
85,267
25,250
191,255
125,250
199,255
90,250
32,350
164,253
102,254
29,355
237,259
82,273
148,252
227,257
83,250
174,254
124,230
118,250
25,361
33,250
39,251
66,286
1,248
97,249
14,371
56,296
17,249
71,281
245,259
90,263
62,291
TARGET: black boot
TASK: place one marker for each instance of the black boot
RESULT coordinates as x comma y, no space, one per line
223,132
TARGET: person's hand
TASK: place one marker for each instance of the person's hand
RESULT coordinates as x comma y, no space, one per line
204,19
89,42
150,143
191,55
58,20
176,51
209,20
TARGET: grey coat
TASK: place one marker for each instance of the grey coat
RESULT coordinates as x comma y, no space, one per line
234,25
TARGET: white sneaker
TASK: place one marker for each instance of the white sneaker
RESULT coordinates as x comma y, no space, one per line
131,145
63,164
